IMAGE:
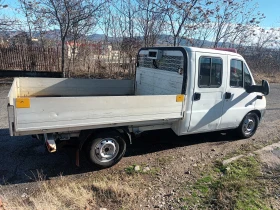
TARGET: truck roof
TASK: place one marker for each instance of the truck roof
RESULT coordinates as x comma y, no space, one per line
209,50
220,51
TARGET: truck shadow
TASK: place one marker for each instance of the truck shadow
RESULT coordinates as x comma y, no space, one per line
159,140
24,159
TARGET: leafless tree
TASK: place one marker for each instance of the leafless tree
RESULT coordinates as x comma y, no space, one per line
199,29
150,20
28,10
6,23
67,15
124,29
232,19
178,14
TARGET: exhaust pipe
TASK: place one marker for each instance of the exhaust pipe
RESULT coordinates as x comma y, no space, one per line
50,142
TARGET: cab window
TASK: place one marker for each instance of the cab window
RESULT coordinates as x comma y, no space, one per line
210,72
238,71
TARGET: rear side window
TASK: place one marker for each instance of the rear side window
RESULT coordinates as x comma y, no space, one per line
210,72
238,71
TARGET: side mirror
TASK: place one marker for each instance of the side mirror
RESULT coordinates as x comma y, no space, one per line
264,88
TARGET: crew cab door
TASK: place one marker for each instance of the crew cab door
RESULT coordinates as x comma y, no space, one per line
207,100
237,102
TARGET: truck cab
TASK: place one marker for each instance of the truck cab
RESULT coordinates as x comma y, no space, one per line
214,84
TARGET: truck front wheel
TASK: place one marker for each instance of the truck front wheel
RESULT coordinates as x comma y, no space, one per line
248,126
105,149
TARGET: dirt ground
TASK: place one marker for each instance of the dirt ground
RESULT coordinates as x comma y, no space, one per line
179,158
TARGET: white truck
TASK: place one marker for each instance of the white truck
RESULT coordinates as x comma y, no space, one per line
186,89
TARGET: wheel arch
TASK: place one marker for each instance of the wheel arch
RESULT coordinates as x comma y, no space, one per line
252,111
239,128
257,112
85,135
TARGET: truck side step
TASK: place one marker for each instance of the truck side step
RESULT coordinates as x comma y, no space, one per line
50,142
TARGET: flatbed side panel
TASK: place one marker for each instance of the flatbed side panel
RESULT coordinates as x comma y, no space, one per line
166,123
48,87
66,112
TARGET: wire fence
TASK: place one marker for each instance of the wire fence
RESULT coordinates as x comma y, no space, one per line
29,58
22,60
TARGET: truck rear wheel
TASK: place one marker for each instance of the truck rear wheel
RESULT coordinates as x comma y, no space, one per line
248,126
105,149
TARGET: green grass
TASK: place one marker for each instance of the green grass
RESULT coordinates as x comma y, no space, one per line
239,186
235,186
130,169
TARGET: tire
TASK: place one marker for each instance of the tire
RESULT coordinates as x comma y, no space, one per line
248,125
105,149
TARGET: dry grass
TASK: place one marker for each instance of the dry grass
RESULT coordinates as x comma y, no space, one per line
114,191
270,77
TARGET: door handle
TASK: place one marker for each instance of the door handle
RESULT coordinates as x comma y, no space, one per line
196,96
227,95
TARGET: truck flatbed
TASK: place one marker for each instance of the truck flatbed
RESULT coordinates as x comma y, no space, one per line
55,107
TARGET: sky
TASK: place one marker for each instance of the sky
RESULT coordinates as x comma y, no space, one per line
270,8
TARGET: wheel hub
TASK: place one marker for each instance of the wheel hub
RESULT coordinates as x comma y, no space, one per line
249,125
106,150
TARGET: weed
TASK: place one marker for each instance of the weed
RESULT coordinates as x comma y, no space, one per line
162,161
130,169
202,185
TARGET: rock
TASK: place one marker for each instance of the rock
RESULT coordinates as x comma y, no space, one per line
137,168
213,149
24,195
1,203
269,172
158,206
146,169
194,165
228,161
187,172
103,209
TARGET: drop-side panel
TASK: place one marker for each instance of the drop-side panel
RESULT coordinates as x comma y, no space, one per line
47,114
